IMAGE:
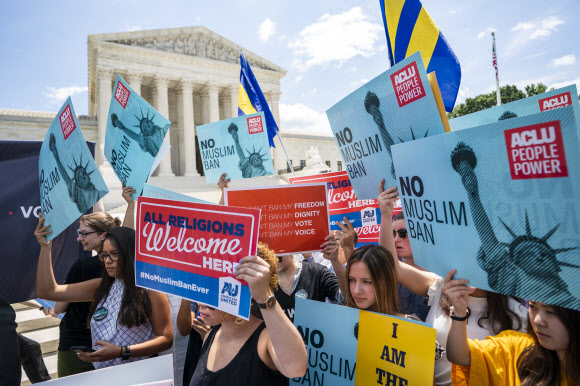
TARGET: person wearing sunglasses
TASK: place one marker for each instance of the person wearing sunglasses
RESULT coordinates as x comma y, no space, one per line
488,313
127,323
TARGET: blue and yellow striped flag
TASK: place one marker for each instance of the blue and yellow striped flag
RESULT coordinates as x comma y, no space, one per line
251,99
410,29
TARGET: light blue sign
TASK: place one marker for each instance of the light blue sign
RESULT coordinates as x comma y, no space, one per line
500,203
70,183
49,304
330,333
135,132
396,106
562,97
157,192
237,146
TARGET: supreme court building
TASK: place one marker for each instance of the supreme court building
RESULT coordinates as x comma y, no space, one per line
191,76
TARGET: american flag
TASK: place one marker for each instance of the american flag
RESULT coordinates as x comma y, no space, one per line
495,61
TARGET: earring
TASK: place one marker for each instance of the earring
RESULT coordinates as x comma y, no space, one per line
239,322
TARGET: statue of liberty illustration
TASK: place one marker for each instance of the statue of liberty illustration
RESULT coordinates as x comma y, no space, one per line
81,189
150,136
372,104
253,164
525,263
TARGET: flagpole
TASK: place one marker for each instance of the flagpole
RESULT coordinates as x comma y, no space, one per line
286,154
496,71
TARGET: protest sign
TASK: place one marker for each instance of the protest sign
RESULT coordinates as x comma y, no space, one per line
394,107
237,146
562,97
394,351
294,217
191,250
348,346
330,334
70,183
153,191
48,305
20,205
364,215
499,203
135,133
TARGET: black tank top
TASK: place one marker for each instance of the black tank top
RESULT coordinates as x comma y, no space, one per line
246,368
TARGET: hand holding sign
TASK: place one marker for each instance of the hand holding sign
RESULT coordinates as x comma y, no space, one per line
458,293
387,199
41,232
256,272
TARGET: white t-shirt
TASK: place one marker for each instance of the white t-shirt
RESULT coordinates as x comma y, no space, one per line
441,321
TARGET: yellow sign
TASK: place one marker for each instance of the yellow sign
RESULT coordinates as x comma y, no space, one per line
394,351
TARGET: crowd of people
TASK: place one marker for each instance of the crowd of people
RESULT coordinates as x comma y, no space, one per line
482,337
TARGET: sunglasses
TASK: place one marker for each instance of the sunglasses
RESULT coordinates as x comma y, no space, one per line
402,233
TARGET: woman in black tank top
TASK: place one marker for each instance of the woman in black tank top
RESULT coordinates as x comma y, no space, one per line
267,349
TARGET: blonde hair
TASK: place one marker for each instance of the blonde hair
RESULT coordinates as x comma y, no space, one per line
100,221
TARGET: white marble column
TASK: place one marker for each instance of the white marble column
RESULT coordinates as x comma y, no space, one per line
204,96
274,100
187,126
214,104
134,79
234,96
162,105
105,81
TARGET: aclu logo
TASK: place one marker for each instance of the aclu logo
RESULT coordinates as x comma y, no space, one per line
255,125
556,101
369,217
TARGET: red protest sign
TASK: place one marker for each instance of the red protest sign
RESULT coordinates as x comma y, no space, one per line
294,218
191,250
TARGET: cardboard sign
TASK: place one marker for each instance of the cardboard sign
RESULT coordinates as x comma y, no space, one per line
394,351
135,133
237,146
153,191
348,346
192,250
364,215
396,106
562,97
500,204
294,217
70,182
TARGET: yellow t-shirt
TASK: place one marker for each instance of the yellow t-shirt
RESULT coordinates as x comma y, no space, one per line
494,361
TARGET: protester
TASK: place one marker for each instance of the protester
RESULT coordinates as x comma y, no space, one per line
490,313
73,327
547,354
267,349
309,280
31,360
194,320
127,323
10,370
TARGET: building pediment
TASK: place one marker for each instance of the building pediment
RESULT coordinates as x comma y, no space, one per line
192,41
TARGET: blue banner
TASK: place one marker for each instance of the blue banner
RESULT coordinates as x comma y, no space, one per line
500,203
135,132
396,106
70,182
237,146
19,210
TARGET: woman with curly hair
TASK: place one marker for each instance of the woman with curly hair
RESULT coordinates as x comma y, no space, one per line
267,349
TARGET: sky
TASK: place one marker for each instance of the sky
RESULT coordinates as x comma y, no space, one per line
329,47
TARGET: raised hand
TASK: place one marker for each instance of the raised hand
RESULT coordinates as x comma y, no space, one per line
41,231
330,248
256,272
346,235
223,182
458,293
387,199
127,192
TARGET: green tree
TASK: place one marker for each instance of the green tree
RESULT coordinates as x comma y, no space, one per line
509,93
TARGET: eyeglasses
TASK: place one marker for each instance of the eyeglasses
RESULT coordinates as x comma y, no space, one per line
114,256
84,235
402,233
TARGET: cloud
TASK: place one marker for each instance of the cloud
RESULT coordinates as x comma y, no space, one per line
452,12
541,29
485,32
359,82
462,95
131,28
564,60
298,117
566,83
336,39
297,79
57,96
267,30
